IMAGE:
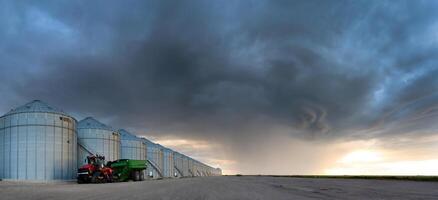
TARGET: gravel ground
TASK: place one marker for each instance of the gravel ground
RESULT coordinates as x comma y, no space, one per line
226,187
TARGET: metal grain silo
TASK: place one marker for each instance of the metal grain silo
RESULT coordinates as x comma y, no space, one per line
217,172
37,142
154,169
95,137
178,164
132,146
168,165
191,167
186,166
197,168
202,169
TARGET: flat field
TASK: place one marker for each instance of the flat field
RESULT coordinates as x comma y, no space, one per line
227,187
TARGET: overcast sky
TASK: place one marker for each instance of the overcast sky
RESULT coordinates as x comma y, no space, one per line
254,87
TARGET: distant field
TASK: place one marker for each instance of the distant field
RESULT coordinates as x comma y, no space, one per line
409,178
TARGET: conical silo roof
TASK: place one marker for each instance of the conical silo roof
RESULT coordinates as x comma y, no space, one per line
168,149
127,135
91,123
148,142
36,106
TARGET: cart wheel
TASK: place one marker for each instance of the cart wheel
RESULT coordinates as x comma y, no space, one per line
135,176
141,176
110,178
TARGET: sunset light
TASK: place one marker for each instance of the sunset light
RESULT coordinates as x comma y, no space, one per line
361,156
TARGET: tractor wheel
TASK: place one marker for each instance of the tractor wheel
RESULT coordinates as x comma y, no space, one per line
136,176
110,178
95,177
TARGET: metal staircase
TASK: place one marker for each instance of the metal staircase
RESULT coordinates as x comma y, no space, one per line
190,171
155,166
179,171
87,149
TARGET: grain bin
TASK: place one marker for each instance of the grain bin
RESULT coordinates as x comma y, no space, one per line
191,167
132,146
154,169
95,137
202,169
168,164
178,163
217,172
186,170
197,168
37,142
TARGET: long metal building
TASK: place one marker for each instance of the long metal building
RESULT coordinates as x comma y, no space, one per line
95,137
37,142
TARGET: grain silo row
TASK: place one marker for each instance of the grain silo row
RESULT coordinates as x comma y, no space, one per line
41,142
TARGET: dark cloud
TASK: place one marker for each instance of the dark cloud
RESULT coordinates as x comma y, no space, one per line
226,71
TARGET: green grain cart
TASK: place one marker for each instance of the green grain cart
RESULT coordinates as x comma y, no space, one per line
127,169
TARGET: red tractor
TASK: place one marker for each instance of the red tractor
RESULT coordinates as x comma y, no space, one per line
95,171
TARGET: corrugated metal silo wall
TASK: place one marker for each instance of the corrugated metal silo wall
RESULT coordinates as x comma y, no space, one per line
160,158
185,166
168,164
150,156
191,167
155,155
157,159
133,149
98,141
178,162
195,168
37,146
165,164
199,169
202,170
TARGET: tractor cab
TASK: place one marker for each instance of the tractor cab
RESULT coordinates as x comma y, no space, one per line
96,161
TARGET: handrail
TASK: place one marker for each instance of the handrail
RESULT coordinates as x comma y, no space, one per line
179,171
86,149
155,167
190,171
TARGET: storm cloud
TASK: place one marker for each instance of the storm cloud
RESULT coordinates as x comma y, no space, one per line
231,72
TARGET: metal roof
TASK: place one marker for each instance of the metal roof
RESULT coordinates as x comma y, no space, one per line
128,136
36,106
168,149
148,142
91,123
